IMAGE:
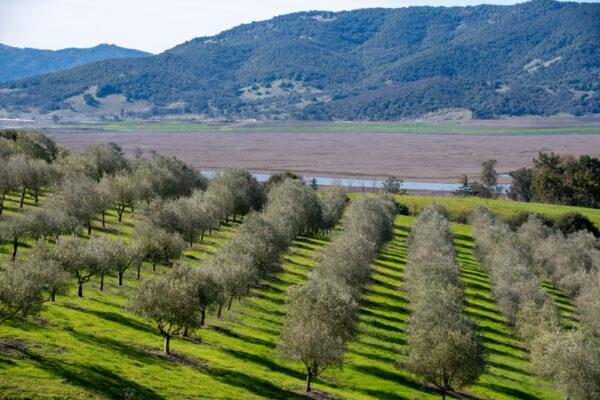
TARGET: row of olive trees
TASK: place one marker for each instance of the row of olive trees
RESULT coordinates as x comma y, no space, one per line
25,164
48,271
570,357
571,262
508,261
179,300
235,192
321,313
82,186
444,347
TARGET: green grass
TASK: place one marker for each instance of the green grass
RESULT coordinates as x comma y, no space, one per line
93,348
325,127
461,207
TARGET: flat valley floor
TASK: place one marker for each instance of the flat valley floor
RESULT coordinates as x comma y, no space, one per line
414,157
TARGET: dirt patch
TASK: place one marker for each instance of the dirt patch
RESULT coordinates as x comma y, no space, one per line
12,348
415,157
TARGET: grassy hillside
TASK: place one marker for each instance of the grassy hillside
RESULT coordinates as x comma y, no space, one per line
92,348
460,207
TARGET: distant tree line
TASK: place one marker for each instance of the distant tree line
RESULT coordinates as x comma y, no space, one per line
559,179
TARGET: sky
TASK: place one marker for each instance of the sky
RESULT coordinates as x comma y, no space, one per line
155,25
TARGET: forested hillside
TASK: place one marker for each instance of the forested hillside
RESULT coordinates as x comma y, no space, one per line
541,57
17,63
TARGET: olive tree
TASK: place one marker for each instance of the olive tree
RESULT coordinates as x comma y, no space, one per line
21,291
8,179
37,146
31,175
104,159
207,290
55,279
170,301
75,257
243,192
334,202
167,177
14,228
318,325
156,245
124,191
572,359
80,198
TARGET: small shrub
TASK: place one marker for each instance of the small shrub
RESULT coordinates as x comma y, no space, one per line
574,222
401,209
516,221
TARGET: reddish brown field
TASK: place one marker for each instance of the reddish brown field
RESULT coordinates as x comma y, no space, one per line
415,157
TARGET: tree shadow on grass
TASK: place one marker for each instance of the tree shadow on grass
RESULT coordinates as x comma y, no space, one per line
373,356
257,386
266,362
510,391
380,394
95,379
506,367
244,338
386,308
119,319
125,349
369,313
393,377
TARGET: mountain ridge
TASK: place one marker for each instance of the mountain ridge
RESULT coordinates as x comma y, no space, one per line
541,58
24,62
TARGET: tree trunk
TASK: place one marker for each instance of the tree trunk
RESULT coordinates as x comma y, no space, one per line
202,315
89,228
102,281
15,249
36,196
103,219
53,296
167,343
79,289
120,212
186,332
153,265
2,202
139,271
308,379
120,278
219,311
229,302
22,198
202,235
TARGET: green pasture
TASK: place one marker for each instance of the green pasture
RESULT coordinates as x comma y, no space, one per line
325,127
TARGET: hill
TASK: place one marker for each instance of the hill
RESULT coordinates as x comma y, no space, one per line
541,57
93,347
18,63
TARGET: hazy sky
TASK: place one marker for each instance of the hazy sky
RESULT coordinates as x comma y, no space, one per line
154,25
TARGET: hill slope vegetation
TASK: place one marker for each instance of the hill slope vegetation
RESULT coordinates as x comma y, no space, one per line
18,63
541,57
